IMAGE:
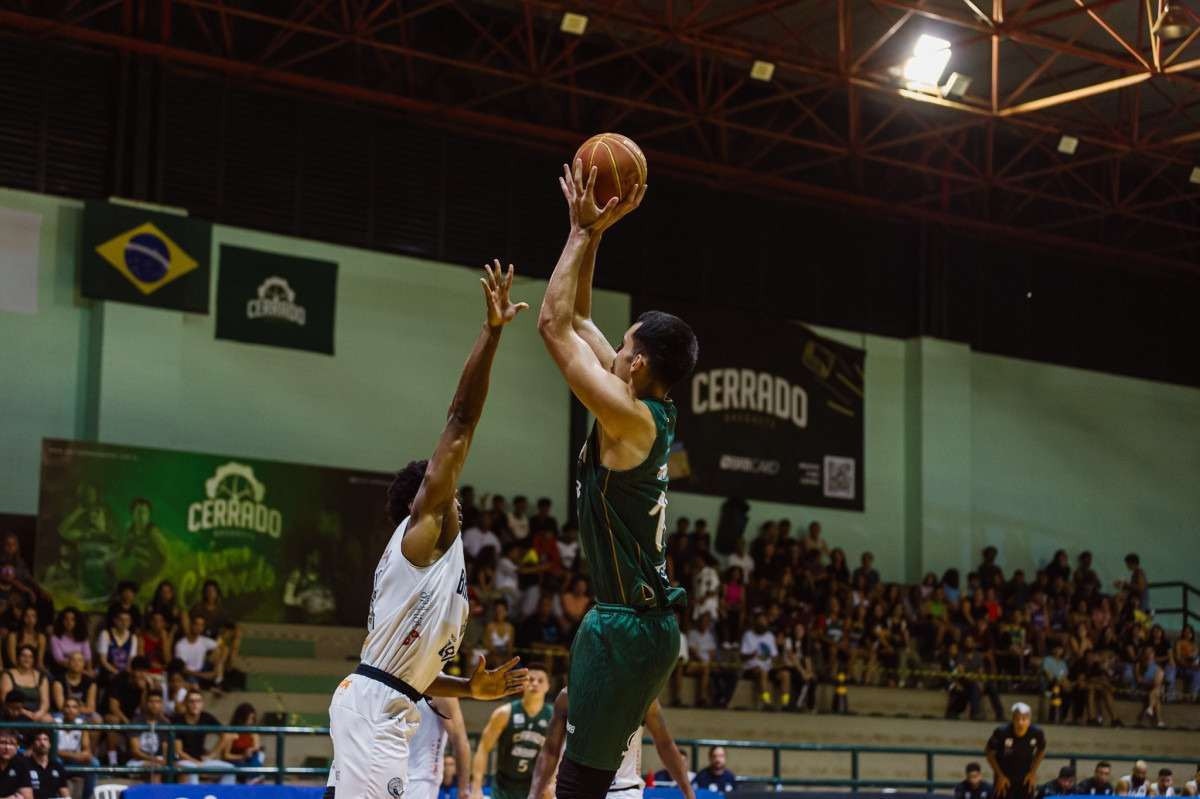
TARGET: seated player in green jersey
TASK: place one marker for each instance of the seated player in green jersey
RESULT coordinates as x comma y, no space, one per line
626,646
516,730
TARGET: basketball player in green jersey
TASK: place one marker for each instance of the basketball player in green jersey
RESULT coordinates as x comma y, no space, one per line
627,644
516,730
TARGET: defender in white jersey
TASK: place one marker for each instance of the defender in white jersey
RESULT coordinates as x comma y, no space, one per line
627,783
441,721
419,599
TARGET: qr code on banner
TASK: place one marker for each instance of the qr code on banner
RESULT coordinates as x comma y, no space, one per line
839,477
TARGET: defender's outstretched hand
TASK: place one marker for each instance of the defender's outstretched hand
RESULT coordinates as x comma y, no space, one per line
581,200
500,309
504,680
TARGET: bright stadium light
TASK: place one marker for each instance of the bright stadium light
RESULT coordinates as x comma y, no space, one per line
574,24
762,70
1067,145
929,59
1195,178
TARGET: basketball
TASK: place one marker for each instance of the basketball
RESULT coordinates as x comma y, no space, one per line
619,164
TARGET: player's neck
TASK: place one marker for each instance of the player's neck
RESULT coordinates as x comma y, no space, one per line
533,704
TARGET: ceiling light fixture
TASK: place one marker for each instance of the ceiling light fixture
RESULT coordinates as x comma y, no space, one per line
1195,178
929,59
762,70
1067,145
1174,22
574,24
955,86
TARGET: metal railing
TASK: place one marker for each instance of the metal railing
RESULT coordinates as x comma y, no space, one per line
170,733
775,780
1188,605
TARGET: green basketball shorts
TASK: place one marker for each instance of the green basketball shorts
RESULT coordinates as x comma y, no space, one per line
620,662
511,790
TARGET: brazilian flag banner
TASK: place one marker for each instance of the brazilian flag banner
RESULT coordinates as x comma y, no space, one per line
145,257
277,300
286,542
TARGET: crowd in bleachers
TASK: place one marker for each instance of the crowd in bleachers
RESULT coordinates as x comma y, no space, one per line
788,612
131,664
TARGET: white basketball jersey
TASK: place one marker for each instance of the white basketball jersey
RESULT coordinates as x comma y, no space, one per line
629,774
417,614
427,748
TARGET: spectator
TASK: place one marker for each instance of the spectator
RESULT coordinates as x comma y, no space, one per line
839,572
176,687
201,655
546,545
127,692
568,546
1137,584
706,587
740,560
47,775
1099,688
715,777
544,630
990,575
575,603
1166,783
759,653
10,555
1084,574
1187,662
157,642
813,541
866,569
243,749
466,502
1055,681
70,636
542,520
507,581
1150,678
1192,788
74,745
480,536
14,769
190,750
701,646
1059,567
1015,751
500,518
126,601
1136,780
148,749
166,602
212,610
518,520
796,657
974,786
31,684
1099,783
76,684
499,637
117,646
29,634
448,787
1064,784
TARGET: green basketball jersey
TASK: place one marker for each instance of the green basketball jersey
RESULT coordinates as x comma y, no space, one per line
519,745
623,520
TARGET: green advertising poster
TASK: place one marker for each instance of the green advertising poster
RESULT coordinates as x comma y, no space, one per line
285,542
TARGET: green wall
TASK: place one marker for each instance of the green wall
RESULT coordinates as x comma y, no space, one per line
962,448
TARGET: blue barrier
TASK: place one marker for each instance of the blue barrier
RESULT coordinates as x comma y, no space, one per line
222,792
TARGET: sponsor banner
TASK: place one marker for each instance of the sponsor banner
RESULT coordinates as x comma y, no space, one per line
145,257
285,542
774,411
278,300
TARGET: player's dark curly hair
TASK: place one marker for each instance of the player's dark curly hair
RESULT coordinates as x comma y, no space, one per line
403,490
669,344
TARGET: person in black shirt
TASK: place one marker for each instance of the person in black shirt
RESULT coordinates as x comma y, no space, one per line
1063,785
1015,751
126,601
1098,784
973,787
14,769
190,751
47,776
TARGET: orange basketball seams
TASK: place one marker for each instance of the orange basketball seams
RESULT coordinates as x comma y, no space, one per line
620,164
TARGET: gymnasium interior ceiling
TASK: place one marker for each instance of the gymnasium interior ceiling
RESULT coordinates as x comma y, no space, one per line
836,123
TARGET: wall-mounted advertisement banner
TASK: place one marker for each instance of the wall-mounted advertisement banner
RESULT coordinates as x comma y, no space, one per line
286,542
774,412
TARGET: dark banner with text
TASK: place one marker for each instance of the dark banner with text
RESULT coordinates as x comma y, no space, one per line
774,411
285,542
